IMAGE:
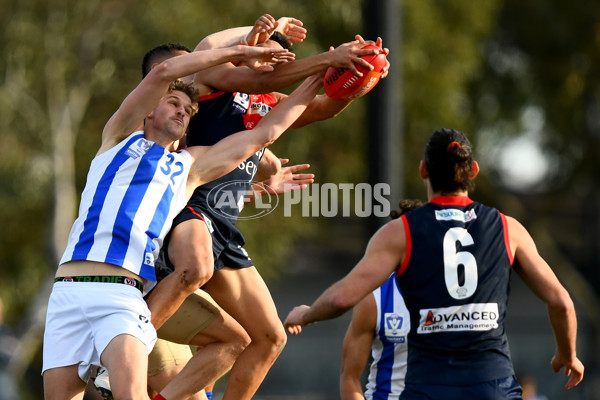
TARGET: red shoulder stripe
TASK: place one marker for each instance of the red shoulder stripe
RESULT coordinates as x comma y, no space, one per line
408,250
210,95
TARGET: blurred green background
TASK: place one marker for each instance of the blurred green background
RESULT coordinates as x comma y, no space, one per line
520,77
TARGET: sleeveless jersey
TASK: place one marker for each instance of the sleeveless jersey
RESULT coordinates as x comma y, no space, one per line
221,114
389,347
133,192
455,280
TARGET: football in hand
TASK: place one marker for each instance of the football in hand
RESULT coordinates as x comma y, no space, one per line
342,84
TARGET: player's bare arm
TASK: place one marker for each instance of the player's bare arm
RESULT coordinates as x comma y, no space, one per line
384,253
142,100
229,78
540,278
357,348
215,161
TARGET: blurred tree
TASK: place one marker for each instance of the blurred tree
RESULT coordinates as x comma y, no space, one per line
67,64
542,82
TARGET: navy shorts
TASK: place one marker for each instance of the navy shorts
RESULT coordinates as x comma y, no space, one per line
499,389
227,243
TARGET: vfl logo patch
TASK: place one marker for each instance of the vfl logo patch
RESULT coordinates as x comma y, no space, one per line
149,259
139,148
468,317
394,329
452,214
130,282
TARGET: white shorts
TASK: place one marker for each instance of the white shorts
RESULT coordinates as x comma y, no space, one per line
83,317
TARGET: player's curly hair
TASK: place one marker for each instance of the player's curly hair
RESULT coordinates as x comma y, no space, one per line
404,206
188,89
449,161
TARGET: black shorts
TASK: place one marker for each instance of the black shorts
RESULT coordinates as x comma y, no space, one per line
499,389
227,243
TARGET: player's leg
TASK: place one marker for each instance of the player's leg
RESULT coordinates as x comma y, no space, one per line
165,362
245,296
63,383
219,345
127,357
190,251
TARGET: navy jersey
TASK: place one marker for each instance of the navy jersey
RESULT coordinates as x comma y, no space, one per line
455,280
221,114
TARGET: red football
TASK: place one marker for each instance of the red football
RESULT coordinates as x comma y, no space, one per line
342,84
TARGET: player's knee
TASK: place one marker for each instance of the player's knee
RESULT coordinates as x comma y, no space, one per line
275,340
190,279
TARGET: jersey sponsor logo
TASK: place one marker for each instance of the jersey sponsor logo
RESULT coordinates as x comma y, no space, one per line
467,317
395,330
452,214
250,166
260,108
139,148
208,223
241,102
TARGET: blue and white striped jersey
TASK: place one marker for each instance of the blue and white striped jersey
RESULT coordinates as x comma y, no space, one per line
389,348
133,192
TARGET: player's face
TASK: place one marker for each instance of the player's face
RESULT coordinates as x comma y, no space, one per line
173,114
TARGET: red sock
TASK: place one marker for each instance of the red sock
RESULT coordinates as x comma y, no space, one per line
158,397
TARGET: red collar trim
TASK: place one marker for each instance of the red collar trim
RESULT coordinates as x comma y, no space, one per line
211,95
452,200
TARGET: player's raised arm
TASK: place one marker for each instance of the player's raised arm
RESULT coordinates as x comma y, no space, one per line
142,100
215,161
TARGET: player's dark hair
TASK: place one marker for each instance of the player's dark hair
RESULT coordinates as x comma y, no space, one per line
449,161
404,206
159,54
281,39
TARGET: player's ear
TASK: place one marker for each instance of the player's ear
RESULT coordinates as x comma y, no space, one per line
474,170
423,170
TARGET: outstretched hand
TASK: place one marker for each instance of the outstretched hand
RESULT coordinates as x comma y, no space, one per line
265,25
286,179
292,29
263,58
261,30
574,370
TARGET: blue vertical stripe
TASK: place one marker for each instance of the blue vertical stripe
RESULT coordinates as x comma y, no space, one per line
90,225
158,222
131,203
385,364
